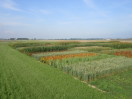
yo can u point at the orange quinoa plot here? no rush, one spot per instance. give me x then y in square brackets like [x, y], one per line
[59, 57]
[124, 53]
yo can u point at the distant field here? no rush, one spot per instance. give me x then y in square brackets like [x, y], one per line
[85, 40]
[126, 41]
[84, 69]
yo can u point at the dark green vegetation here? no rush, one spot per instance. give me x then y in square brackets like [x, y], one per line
[45, 49]
[22, 77]
[31, 47]
[29, 44]
[119, 45]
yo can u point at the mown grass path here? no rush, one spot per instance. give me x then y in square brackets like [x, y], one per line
[22, 77]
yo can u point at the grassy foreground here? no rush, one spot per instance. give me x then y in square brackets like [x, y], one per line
[22, 77]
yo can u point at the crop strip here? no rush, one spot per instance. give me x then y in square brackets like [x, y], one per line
[60, 57]
[124, 53]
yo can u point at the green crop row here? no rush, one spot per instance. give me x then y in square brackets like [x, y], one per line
[118, 45]
[17, 45]
[72, 44]
[44, 49]
[30, 44]
[114, 44]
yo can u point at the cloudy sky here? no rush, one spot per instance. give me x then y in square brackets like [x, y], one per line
[51, 19]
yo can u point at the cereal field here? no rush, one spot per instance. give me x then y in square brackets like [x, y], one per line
[84, 60]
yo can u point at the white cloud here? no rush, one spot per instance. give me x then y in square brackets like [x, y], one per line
[130, 15]
[96, 10]
[13, 24]
[9, 4]
[39, 11]
[43, 11]
[90, 3]
[7, 32]
[65, 23]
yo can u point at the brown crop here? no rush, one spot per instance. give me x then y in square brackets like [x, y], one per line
[59, 57]
[124, 53]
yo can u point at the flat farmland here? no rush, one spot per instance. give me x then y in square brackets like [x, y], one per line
[65, 70]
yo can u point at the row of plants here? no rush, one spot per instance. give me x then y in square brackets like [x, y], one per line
[124, 53]
[91, 44]
[17, 45]
[93, 48]
[54, 47]
[59, 46]
[68, 43]
[38, 55]
[119, 45]
[71, 60]
[89, 70]
[115, 45]
[112, 51]
[72, 44]
[45, 49]
[29, 44]
[60, 57]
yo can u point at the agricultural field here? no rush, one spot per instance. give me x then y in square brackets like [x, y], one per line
[66, 70]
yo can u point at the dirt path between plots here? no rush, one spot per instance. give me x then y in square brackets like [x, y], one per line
[92, 86]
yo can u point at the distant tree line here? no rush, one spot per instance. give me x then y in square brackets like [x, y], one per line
[19, 38]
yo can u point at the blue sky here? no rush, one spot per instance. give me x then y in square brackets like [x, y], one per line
[51, 19]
